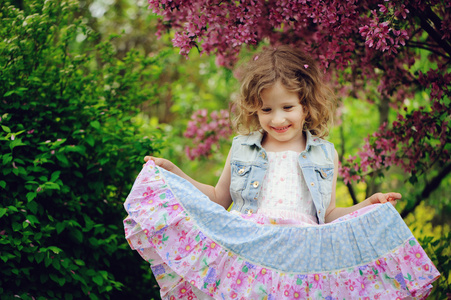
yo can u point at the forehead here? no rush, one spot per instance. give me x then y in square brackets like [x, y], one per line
[278, 93]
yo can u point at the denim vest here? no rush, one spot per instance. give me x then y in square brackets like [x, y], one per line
[249, 163]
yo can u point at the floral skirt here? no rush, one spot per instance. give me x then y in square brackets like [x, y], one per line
[192, 243]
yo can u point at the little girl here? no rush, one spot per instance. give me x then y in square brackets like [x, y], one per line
[284, 238]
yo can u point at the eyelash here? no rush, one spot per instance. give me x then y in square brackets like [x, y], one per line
[267, 110]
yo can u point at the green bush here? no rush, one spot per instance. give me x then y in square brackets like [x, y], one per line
[69, 154]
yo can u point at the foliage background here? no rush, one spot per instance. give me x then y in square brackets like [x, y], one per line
[86, 91]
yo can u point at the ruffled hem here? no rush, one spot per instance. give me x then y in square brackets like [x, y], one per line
[183, 254]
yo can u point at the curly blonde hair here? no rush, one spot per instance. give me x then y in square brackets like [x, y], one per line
[298, 73]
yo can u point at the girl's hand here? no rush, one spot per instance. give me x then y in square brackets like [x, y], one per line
[163, 163]
[383, 198]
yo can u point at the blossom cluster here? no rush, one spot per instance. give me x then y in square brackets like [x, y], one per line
[411, 149]
[415, 142]
[206, 130]
[382, 36]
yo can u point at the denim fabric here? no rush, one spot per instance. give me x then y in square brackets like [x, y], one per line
[249, 163]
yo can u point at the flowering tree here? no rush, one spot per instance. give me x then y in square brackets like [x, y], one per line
[402, 47]
[206, 130]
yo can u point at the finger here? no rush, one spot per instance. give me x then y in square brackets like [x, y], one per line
[393, 202]
[163, 163]
[394, 195]
[147, 158]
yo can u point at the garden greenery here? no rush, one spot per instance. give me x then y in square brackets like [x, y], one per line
[69, 154]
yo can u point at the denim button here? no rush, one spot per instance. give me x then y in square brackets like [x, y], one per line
[255, 184]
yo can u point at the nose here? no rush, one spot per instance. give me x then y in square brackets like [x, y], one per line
[278, 118]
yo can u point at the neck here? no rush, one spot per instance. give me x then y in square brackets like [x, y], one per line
[273, 145]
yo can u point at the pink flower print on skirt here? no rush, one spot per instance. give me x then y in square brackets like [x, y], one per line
[190, 241]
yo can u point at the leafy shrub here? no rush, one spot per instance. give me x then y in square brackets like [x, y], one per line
[69, 154]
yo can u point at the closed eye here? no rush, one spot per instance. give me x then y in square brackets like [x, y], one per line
[266, 109]
[288, 107]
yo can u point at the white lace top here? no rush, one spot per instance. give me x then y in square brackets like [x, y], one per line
[284, 192]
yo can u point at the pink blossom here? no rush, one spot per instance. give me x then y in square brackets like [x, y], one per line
[205, 131]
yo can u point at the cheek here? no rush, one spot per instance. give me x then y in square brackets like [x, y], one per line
[262, 119]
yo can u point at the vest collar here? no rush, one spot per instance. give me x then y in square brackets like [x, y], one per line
[255, 138]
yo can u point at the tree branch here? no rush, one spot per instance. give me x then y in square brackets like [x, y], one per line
[342, 150]
[352, 193]
[428, 189]
[426, 25]
[418, 45]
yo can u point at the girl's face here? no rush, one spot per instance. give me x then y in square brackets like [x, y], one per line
[282, 117]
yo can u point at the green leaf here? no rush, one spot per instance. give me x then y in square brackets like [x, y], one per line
[39, 257]
[32, 206]
[31, 196]
[47, 261]
[90, 140]
[7, 158]
[33, 220]
[2, 184]
[78, 174]
[54, 277]
[19, 91]
[77, 234]
[79, 262]
[55, 176]
[16, 143]
[17, 226]
[6, 129]
[55, 249]
[435, 243]
[51, 186]
[62, 158]
[56, 264]
[60, 227]
[5, 256]
[98, 279]
[2, 211]
[95, 124]
[13, 208]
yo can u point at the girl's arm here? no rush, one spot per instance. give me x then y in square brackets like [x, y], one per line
[219, 193]
[334, 212]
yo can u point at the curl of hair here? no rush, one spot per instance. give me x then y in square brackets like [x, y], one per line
[298, 73]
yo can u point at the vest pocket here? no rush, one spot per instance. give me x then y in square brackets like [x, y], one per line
[239, 176]
[325, 176]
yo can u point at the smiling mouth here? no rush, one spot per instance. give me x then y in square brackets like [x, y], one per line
[281, 129]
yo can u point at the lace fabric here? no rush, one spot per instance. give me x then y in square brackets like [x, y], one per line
[284, 191]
